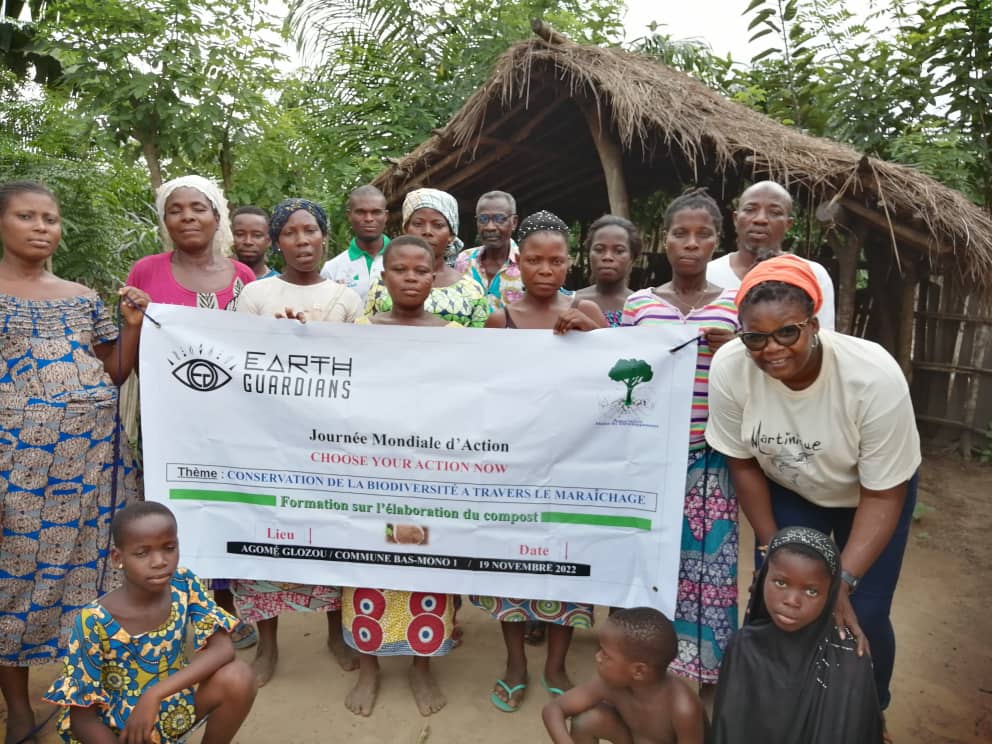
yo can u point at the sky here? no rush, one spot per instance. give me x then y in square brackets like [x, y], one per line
[719, 23]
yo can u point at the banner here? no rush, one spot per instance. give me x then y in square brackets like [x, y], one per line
[511, 463]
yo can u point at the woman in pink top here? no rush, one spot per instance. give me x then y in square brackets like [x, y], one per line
[194, 270]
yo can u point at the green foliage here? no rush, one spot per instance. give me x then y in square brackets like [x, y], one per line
[692, 56]
[186, 80]
[631, 372]
[107, 219]
[911, 82]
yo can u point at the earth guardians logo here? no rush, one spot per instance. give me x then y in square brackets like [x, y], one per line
[628, 409]
[264, 373]
[203, 370]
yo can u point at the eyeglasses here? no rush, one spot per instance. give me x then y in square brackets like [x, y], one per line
[787, 335]
[496, 219]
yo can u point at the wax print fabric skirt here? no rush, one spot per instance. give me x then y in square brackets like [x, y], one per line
[384, 622]
[706, 608]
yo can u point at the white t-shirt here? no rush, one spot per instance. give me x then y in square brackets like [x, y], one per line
[722, 274]
[327, 301]
[355, 269]
[854, 425]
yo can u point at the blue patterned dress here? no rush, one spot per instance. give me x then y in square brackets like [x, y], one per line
[108, 668]
[57, 414]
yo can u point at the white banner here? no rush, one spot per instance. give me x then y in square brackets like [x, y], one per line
[511, 463]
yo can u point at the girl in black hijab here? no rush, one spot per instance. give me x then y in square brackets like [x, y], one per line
[788, 676]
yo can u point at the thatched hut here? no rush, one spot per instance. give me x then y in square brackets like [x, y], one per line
[581, 130]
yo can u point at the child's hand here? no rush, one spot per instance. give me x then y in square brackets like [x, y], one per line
[133, 304]
[141, 722]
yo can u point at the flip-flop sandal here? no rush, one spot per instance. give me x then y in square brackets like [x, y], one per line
[244, 636]
[557, 692]
[502, 704]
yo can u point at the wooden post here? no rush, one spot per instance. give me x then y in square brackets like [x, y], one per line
[848, 250]
[610, 157]
[846, 242]
[979, 352]
[907, 317]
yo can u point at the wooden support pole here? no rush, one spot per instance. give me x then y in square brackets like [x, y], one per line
[907, 318]
[846, 240]
[610, 157]
[979, 353]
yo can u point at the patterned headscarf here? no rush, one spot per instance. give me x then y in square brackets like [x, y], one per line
[542, 221]
[284, 210]
[438, 200]
[811, 539]
[223, 238]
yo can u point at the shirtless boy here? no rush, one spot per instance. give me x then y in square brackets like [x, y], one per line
[633, 699]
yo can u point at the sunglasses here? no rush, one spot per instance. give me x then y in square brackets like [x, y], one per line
[787, 335]
[496, 219]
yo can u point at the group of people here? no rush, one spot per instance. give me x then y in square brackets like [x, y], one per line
[809, 432]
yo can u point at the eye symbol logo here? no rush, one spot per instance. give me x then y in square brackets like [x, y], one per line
[202, 375]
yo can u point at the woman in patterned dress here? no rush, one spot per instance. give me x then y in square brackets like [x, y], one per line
[125, 675]
[65, 466]
[195, 271]
[298, 228]
[433, 216]
[613, 244]
[706, 609]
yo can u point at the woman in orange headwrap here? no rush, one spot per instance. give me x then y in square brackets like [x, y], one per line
[818, 429]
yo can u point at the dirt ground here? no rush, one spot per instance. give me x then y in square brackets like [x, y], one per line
[942, 691]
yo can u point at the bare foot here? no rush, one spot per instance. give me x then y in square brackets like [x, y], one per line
[265, 664]
[361, 699]
[345, 656]
[426, 693]
[19, 726]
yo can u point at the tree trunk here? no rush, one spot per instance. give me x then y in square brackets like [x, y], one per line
[150, 150]
[226, 163]
[610, 157]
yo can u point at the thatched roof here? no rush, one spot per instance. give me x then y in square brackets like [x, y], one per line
[524, 131]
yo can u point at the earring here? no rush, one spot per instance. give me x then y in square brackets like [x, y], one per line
[816, 341]
[120, 566]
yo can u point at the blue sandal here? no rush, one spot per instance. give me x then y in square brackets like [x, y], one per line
[504, 705]
[557, 692]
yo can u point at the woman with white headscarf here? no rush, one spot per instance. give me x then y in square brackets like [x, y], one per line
[433, 216]
[195, 270]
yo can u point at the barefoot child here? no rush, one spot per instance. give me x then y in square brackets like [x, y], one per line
[543, 261]
[634, 698]
[384, 622]
[789, 675]
[126, 677]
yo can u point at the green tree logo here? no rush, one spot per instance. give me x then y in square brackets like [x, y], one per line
[631, 372]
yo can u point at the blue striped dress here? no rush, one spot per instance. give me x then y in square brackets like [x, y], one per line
[706, 609]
